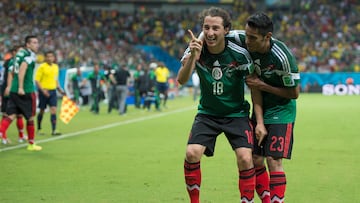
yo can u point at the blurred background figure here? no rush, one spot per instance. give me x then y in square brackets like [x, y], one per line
[147, 87]
[120, 78]
[162, 75]
[77, 82]
[96, 79]
[111, 89]
[196, 85]
[137, 95]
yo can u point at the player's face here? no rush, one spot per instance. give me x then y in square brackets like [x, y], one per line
[33, 45]
[50, 58]
[255, 42]
[214, 34]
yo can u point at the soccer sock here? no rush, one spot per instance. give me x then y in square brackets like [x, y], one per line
[193, 180]
[262, 184]
[39, 120]
[277, 186]
[31, 131]
[20, 126]
[53, 122]
[247, 185]
[5, 122]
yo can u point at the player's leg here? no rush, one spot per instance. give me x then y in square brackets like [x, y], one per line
[165, 92]
[280, 147]
[52, 101]
[262, 179]
[9, 115]
[123, 91]
[201, 141]
[4, 125]
[192, 171]
[262, 176]
[247, 176]
[42, 106]
[3, 136]
[28, 109]
[20, 127]
[239, 134]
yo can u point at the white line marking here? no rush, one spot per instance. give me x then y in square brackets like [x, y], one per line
[100, 128]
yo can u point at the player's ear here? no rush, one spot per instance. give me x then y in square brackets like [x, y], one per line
[268, 35]
[227, 30]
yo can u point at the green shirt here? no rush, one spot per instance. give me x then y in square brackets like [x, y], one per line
[277, 68]
[222, 81]
[95, 79]
[29, 57]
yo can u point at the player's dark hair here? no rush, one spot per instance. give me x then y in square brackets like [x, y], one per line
[29, 37]
[261, 22]
[49, 52]
[216, 11]
[15, 48]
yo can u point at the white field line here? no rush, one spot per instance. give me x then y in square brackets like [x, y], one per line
[63, 136]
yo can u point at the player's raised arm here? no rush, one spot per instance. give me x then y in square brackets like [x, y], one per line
[190, 57]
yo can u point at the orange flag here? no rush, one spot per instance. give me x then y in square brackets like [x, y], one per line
[68, 109]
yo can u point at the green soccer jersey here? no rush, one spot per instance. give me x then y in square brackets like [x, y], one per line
[277, 68]
[222, 81]
[29, 57]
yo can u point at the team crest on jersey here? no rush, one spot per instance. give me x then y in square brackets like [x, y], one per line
[216, 71]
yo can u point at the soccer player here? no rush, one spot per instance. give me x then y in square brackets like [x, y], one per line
[5, 90]
[222, 67]
[46, 79]
[77, 82]
[22, 98]
[277, 78]
[96, 79]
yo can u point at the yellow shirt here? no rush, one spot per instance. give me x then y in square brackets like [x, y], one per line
[162, 74]
[47, 75]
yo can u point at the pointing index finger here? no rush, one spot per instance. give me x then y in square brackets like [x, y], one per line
[192, 35]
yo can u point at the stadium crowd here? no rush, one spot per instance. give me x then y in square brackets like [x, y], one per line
[323, 35]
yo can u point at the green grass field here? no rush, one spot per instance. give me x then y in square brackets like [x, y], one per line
[138, 158]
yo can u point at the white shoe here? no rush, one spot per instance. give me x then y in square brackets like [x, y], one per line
[5, 141]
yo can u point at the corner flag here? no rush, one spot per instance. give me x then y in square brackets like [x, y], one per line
[68, 109]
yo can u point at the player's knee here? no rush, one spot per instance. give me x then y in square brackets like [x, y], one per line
[193, 153]
[258, 160]
[244, 159]
[274, 164]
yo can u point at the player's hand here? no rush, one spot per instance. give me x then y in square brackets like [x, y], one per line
[195, 45]
[62, 92]
[7, 91]
[45, 93]
[253, 81]
[21, 91]
[260, 133]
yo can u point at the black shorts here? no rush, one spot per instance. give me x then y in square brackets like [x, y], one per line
[25, 104]
[162, 87]
[278, 143]
[206, 128]
[51, 100]
[4, 102]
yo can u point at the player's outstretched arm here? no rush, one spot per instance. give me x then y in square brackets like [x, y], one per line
[188, 62]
